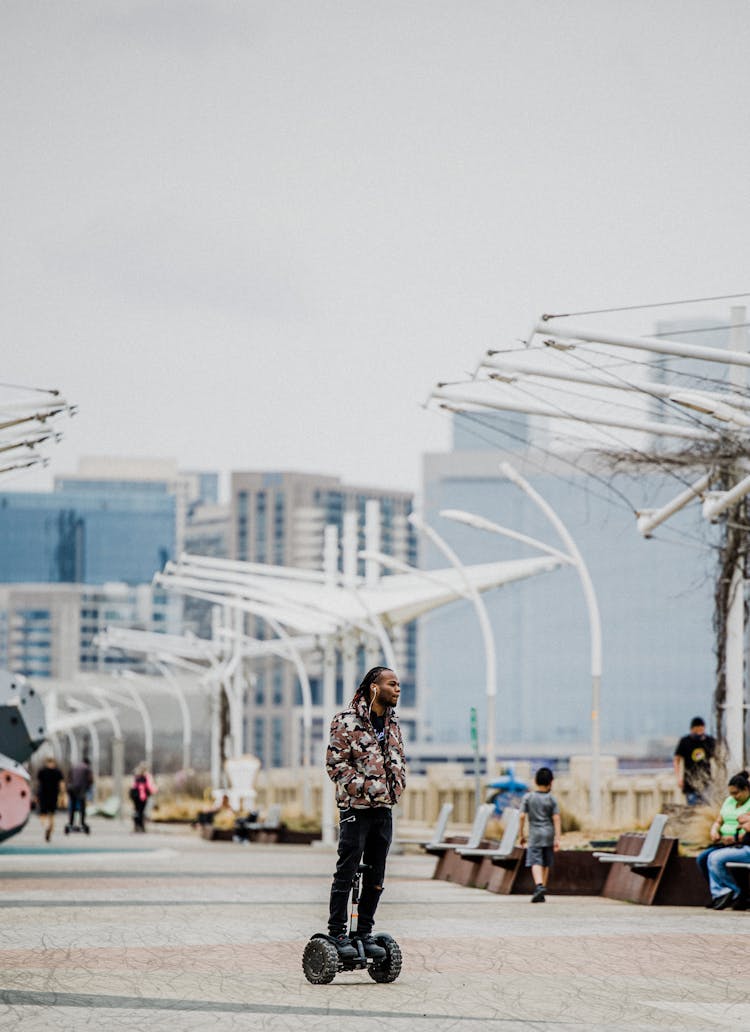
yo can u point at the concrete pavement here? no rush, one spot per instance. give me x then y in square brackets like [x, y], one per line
[167, 931]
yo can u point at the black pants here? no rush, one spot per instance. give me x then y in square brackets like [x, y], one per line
[364, 836]
[139, 809]
[76, 803]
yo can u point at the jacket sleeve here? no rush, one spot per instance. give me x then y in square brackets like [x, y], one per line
[398, 766]
[339, 765]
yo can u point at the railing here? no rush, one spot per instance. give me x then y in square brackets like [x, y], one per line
[628, 800]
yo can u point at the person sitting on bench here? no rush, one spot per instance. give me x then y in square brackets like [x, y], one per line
[729, 842]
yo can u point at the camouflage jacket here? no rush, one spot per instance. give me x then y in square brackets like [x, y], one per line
[365, 774]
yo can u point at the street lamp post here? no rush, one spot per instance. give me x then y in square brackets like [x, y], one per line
[595, 625]
[484, 626]
[575, 559]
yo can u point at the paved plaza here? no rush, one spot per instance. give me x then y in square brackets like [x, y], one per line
[167, 931]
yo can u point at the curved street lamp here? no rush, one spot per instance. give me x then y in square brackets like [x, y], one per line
[484, 625]
[574, 558]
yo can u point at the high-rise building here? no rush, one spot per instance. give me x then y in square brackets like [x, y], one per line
[207, 530]
[82, 557]
[49, 630]
[280, 518]
[83, 536]
[110, 478]
[115, 520]
[655, 597]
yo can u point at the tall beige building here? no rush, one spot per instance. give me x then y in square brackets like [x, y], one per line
[280, 518]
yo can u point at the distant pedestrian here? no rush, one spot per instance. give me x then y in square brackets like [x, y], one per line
[543, 813]
[49, 779]
[141, 790]
[80, 781]
[692, 762]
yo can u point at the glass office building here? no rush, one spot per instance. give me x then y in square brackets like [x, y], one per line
[656, 598]
[111, 531]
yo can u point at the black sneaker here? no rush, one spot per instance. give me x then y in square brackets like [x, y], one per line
[739, 903]
[723, 901]
[345, 947]
[538, 896]
[373, 950]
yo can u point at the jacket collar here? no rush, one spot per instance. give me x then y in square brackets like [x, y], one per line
[361, 707]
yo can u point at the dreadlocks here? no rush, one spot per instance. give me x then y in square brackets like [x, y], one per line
[370, 678]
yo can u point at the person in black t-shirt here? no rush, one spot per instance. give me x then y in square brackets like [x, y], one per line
[692, 762]
[49, 779]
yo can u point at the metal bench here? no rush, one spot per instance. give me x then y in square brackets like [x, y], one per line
[636, 870]
[450, 866]
[649, 848]
[267, 828]
[438, 833]
[497, 867]
[503, 851]
[475, 835]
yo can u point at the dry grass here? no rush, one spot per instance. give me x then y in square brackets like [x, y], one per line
[176, 808]
[692, 825]
[185, 809]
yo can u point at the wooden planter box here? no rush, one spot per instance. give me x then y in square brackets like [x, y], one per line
[575, 872]
[212, 834]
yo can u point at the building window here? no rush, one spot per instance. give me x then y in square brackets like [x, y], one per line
[278, 530]
[278, 687]
[259, 739]
[277, 743]
[260, 527]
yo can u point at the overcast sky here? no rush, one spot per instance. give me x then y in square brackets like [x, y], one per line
[253, 234]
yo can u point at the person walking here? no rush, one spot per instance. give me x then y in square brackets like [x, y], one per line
[141, 790]
[692, 762]
[365, 760]
[80, 780]
[543, 813]
[49, 779]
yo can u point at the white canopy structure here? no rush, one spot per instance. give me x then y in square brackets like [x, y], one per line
[28, 420]
[328, 610]
[542, 381]
[320, 609]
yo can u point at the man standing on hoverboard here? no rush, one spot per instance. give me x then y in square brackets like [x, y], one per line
[365, 760]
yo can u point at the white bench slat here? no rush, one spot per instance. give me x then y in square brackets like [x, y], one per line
[475, 837]
[649, 848]
[507, 843]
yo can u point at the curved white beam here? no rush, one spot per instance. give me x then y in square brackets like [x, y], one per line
[467, 402]
[481, 523]
[656, 344]
[505, 371]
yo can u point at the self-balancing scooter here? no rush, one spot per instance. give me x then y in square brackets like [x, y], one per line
[321, 961]
[70, 826]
